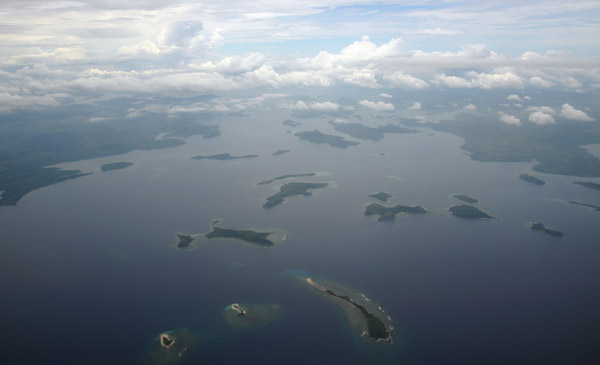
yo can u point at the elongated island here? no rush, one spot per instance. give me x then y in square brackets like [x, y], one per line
[389, 213]
[256, 238]
[291, 189]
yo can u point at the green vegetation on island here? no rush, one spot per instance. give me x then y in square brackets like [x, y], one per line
[184, 240]
[466, 198]
[358, 130]
[556, 147]
[469, 212]
[389, 213]
[291, 123]
[532, 179]
[542, 228]
[280, 152]
[588, 184]
[291, 189]
[29, 144]
[286, 177]
[317, 137]
[383, 196]
[222, 157]
[259, 238]
[590, 206]
[115, 166]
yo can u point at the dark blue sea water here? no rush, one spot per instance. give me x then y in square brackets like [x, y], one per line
[89, 273]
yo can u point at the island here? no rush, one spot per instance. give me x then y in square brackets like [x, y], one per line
[317, 137]
[184, 240]
[532, 179]
[383, 196]
[358, 130]
[114, 166]
[222, 157]
[469, 212]
[170, 347]
[542, 228]
[305, 174]
[251, 316]
[260, 238]
[291, 123]
[466, 198]
[291, 189]
[588, 184]
[280, 152]
[589, 206]
[389, 213]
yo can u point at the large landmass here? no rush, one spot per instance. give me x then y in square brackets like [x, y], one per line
[222, 157]
[542, 228]
[358, 130]
[291, 189]
[115, 166]
[556, 147]
[317, 137]
[466, 198]
[30, 143]
[588, 184]
[389, 213]
[532, 179]
[306, 174]
[469, 212]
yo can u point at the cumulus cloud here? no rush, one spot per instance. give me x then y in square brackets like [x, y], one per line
[541, 118]
[416, 106]
[380, 105]
[384, 95]
[509, 119]
[470, 107]
[300, 105]
[571, 113]
[400, 79]
[326, 106]
[539, 82]
[542, 109]
[514, 97]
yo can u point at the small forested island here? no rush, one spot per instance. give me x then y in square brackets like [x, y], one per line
[469, 212]
[280, 152]
[389, 213]
[306, 174]
[222, 157]
[532, 179]
[184, 240]
[291, 123]
[317, 137]
[170, 347]
[291, 189]
[541, 227]
[466, 198]
[260, 238]
[588, 184]
[590, 206]
[358, 130]
[383, 196]
[115, 166]
[251, 316]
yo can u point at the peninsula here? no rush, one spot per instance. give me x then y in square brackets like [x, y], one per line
[541, 227]
[115, 166]
[184, 240]
[317, 137]
[469, 212]
[588, 184]
[306, 174]
[466, 198]
[222, 157]
[532, 179]
[291, 189]
[383, 196]
[389, 213]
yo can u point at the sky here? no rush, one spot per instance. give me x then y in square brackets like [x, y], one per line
[59, 52]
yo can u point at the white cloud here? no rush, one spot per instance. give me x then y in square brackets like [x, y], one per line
[326, 106]
[300, 105]
[380, 105]
[571, 113]
[384, 95]
[400, 79]
[470, 107]
[416, 106]
[541, 118]
[542, 109]
[539, 82]
[514, 97]
[509, 119]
